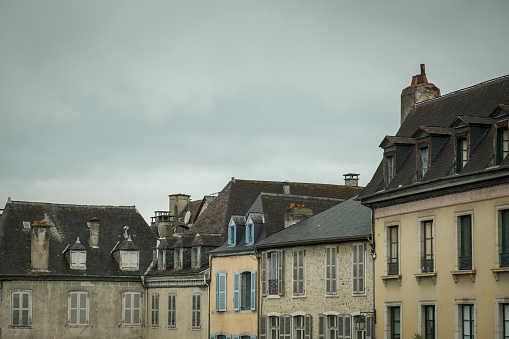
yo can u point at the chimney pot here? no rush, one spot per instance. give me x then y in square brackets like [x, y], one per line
[351, 179]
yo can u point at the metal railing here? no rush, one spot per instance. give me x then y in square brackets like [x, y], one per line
[428, 266]
[393, 268]
[465, 263]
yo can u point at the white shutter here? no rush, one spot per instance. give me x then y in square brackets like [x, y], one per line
[264, 277]
[348, 327]
[253, 291]
[236, 291]
[307, 326]
[263, 327]
[222, 291]
[321, 326]
[280, 272]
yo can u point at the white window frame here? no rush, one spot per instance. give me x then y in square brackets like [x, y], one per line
[457, 231]
[172, 310]
[195, 256]
[196, 305]
[356, 269]
[20, 308]
[387, 318]
[268, 269]
[240, 290]
[249, 232]
[232, 234]
[178, 259]
[421, 316]
[131, 297]
[78, 259]
[331, 271]
[458, 316]
[155, 309]
[129, 260]
[79, 307]
[298, 279]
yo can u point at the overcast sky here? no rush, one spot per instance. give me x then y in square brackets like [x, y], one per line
[126, 102]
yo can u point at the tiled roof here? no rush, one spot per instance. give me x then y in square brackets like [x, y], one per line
[68, 222]
[344, 221]
[474, 106]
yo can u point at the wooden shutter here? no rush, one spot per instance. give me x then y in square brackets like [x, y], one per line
[295, 265]
[263, 327]
[301, 278]
[361, 262]
[253, 291]
[369, 327]
[288, 326]
[341, 326]
[236, 291]
[328, 289]
[280, 273]
[321, 326]
[264, 274]
[307, 326]
[221, 292]
[348, 327]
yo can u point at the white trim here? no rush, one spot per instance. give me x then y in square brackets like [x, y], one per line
[458, 326]
[420, 315]
[273, 314]
[499, 314]
[29, 320]
[294, 314]
[387, 320]
[355, 244]
[331, 313]
[336, 278]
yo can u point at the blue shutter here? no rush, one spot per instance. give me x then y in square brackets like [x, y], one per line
[253, 290]
[212, 336]
[229, 336]
[235, 337]
[217, 291]
[236, 291]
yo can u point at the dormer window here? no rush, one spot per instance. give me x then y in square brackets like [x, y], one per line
[195, 257]
[78, 259]
[461, 153]
[502, 144]
[232, 235]
[389, 169]
[423, 161]
[249, 232]
[178, 258]
[129, 260]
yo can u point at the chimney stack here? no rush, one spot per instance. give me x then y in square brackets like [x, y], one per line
[178, 202]
[351, 179]
[419, 90]
[94, 232]
[40, 245]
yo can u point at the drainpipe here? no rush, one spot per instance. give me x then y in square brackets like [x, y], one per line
[259, 288]
[373, 257]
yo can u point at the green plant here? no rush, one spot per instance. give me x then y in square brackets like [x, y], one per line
[418, 335]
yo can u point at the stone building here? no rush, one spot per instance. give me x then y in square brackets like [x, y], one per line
[316, 277]
[440, 203]
[72, 270]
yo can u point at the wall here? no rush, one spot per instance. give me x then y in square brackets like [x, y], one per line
[50, 310]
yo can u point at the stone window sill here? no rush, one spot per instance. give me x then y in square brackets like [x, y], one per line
[456, 274]
[386, 278]
[432, 275]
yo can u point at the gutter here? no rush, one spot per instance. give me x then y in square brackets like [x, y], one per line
[313, 242]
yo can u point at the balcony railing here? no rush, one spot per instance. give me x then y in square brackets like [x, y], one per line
[504, 259]
[273, 287]
[428, 266]
[393, 268]
[465, 263]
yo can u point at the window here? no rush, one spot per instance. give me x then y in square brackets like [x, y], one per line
[21, 308]
[272, 273]
[502, 144]
[244, 290]
[503, 217]
[423, 161]
[178, 258]
[196, 311]
[394, 322]
[285, 327]
[232, 235]
[363, 326]
[172, 310]
[505, 320]
[429, 321]
[221, 291]
[465, 242]
[155, 309]
[393, 257]
[129, 260]
[273, 327]
[331, 270]
[302, 327]
[249, 233]
[461, 154]
[195, 257]
[427, 256]
[78, 259]
[78, 309]
[467, 321]
[334, 326]
[389, 169]
[299, 288]
[132, 308]
[358, 263]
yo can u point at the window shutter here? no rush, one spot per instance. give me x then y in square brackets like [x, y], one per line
[236, 291]
[341, 327]
[295, 271]
[348, 329]
[253, 290]
[307, 326]
[212, 336]
[264, 274]
[127, 308]
[280, 273]
[288, 326]
[328, 289]
[321, 326]
[235, 336]
[253, 337]
[361, 256]
[281, 327]
[334, 270]
[263, 327]
[217, 291]
[229, 336]
[222, 291]
[301, 279]
[369, 328]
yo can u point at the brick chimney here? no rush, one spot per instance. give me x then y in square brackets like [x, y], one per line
[351, 179]
[94, 232]
[40, 245]
[419, 90]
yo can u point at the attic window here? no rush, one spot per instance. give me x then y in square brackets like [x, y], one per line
[423, 161]
[389, 169]
[461, 153]
[178, 258]
[78, 259]
[26, 225]
[195, 257]
[502, 144]
[249, 233]
[129, 260]
[232, 235]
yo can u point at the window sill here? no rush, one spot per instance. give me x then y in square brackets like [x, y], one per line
[195, 328]
[456, 274]
[273, 297]
[497, 271]
[26, 327]
[172, 328]
[298, 296]
[386, 278]
[359, 294]
[432, 275]
[332, 295]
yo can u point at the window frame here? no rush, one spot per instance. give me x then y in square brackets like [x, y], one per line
[331, 271]
[391, 246]
[390, 328]
[299, 273]
[502, 144]
[79, 322]
[249, 232]
[221, 291]
[427, 247]
[20, 309]
[502, 237]
[459, 317]
[172, 310]
[389, 170]
[133, 296]
[424, 307]
[154, 315]
[357, 268]
[462, 261]
[423, 163]
[232, 235]
[78, 259]
[269, 268]
[178, 258]
[196, 308]
[129, 260]
[195, 256]
[241, 293]
[461, 151]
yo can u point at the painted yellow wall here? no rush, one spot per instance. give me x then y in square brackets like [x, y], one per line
[232, 322]
[484, 290]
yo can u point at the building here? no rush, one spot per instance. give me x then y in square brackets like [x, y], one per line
[440, 202]
[72, 270]
[317, 277]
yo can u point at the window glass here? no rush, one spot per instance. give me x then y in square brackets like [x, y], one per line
[21, 308]
[172, 310]
[423, 161]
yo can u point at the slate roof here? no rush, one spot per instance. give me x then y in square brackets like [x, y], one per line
[346, 221]
[475, 105]
[68, 222]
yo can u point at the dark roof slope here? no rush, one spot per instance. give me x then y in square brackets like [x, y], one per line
[345, 221]
[68, 222]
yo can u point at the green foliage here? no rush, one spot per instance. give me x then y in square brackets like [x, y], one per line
[418, 335]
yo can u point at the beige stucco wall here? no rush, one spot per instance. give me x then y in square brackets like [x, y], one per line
[232, 322]
[482, 204]
[50, 310]
[183, 316]
[316, 302]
